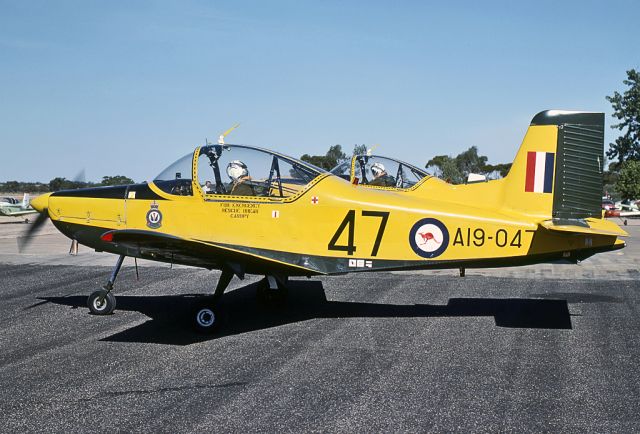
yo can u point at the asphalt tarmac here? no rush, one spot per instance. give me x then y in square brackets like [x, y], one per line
[535, 349]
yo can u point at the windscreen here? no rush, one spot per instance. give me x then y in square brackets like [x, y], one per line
[176, 179]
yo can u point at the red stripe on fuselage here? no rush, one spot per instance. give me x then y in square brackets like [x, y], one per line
[531, 172]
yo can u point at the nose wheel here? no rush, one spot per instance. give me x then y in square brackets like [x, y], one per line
[101, 302]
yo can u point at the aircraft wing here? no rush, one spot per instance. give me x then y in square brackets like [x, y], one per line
[9, 213]
[168, 248]
[629, 213]
[632, 208]
[622, 214]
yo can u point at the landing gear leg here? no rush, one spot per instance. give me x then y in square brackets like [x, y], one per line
[206, 315]
[273, 289]
[223, 283]
[103, 302]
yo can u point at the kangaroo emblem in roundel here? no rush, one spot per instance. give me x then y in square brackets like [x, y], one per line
[154, 217]
[429, 238]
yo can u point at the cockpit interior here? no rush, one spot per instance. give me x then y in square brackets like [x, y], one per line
[378, 171]
[237, 170]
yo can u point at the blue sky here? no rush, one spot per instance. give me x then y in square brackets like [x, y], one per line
[128, 87]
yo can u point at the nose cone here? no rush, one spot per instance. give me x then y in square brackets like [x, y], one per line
[41, 202]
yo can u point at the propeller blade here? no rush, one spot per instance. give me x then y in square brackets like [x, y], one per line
[24, 240]
[80, 177]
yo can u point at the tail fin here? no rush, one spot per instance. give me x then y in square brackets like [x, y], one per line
[25, 200]
[557, 172]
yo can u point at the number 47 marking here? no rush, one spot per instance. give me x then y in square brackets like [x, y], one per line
[350, 223]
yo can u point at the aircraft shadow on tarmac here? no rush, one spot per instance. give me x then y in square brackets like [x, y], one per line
[241, 312]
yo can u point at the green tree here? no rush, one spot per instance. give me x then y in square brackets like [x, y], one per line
[28, 187]
[335, 155]
[446, 168]
[328, 161]
[316, 160]
[437, 161]
[11, 186]
[470, 162]
[628, 182]
[451, 171]
[116, 180]
[626, 108]
[456, 170]
[57, 184]
[359, 149]
[501, 168]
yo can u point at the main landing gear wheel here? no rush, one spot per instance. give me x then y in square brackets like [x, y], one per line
[101, 302]
[206, 317]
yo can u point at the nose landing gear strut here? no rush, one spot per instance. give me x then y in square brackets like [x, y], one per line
[102, 301]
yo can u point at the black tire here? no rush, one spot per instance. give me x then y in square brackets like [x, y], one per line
[101, 302]
[205, 317]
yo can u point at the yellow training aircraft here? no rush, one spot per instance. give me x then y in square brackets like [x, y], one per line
[247, 210]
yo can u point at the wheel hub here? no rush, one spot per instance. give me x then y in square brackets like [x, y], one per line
[99, 303]
[205, 317]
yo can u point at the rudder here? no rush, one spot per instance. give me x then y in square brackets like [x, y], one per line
[557, 172]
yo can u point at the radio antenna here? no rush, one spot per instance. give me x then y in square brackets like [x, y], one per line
[223, 135]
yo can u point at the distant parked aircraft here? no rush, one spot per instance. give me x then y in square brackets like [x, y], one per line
[623, 215]
[11, 207]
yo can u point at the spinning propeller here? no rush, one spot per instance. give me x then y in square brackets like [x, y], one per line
[41, 204]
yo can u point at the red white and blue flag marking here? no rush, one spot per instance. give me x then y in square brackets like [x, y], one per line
[539, 172]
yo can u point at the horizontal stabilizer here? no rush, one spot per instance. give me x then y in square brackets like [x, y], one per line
[588, 226]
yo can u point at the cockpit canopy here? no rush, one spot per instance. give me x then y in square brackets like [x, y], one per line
[377, 171]
[237, 170]
[9, 200]
[176, 179]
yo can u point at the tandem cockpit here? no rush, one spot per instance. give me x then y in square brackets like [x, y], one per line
[241, 171]
[380, 172]
[237, 171]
